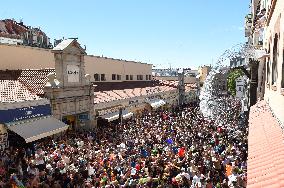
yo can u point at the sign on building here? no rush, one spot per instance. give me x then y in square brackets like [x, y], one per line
[240, 87]
[73, 73]
[19, 114]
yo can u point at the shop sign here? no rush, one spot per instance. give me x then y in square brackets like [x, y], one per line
[83, 116]
[108, 111]
[19, 114]
[73, 73]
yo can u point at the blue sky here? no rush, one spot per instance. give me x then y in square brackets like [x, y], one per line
[176, 33]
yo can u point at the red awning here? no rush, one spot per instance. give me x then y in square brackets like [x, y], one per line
[265, 149]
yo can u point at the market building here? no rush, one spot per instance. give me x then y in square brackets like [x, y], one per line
[83, 91]
[24, 116]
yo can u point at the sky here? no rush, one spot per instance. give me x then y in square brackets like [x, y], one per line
[165, 33]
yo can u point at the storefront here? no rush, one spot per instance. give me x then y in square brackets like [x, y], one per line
[155, 102]
[78, 119]
[30, 120]
[114, 113]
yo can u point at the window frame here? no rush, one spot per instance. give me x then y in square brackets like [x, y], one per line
[97, 77]
[113, 77]
[103, 77]
[118, 77]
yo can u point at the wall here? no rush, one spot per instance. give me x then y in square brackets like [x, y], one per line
[203, 72]
[274, 95]
[16, 57]
[109, 66]
[187, 80]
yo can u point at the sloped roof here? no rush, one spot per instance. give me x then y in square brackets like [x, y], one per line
[265, 149]
[35, 80]
[65, 43]
[15, 91]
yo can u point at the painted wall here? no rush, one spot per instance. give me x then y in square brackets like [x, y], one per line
[274, 94]
[16, 57]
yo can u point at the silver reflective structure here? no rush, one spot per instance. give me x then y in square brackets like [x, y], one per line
[213, 104]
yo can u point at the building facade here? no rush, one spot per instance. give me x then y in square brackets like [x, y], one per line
[101, 69]
[70, 91]
[265, 32]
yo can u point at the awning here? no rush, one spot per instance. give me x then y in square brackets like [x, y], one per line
[157, 103]
[127, 116]
[115, 115]
[35, 129]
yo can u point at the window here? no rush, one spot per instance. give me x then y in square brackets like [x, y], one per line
[150, 77]
[118, 77]
[274, 63]
[103, 77]
[127, 77]
[97, 77]
[147, 77]
[131, 77]
[139, 77]
[113, 76]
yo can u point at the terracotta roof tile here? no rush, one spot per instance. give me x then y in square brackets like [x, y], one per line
[266, 149]
[15, 91]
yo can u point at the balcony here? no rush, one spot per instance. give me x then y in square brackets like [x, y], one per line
[248, 24]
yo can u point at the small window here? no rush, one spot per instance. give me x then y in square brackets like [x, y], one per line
[103, 77]
[127, 77]
[139, 77]
[150, 77]
[147, 77]
[118, 77]
[97, 77]
[113, 77]
[131, 77]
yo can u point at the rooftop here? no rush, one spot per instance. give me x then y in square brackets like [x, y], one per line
[265, 148]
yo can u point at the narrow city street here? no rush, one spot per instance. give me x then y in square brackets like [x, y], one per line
[176, 148]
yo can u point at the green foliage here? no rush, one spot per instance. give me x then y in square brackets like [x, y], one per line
[231, 80]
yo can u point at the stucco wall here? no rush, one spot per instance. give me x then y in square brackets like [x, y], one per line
[274, 96]
[15, 57]
[108, 66]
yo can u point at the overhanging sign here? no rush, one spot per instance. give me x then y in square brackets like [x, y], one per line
[19, 114]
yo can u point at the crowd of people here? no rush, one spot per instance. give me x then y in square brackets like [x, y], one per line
[174, 148]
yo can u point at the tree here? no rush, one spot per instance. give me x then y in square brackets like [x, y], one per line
[231, 80]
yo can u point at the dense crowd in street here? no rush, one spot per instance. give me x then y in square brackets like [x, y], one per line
[177, 148]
